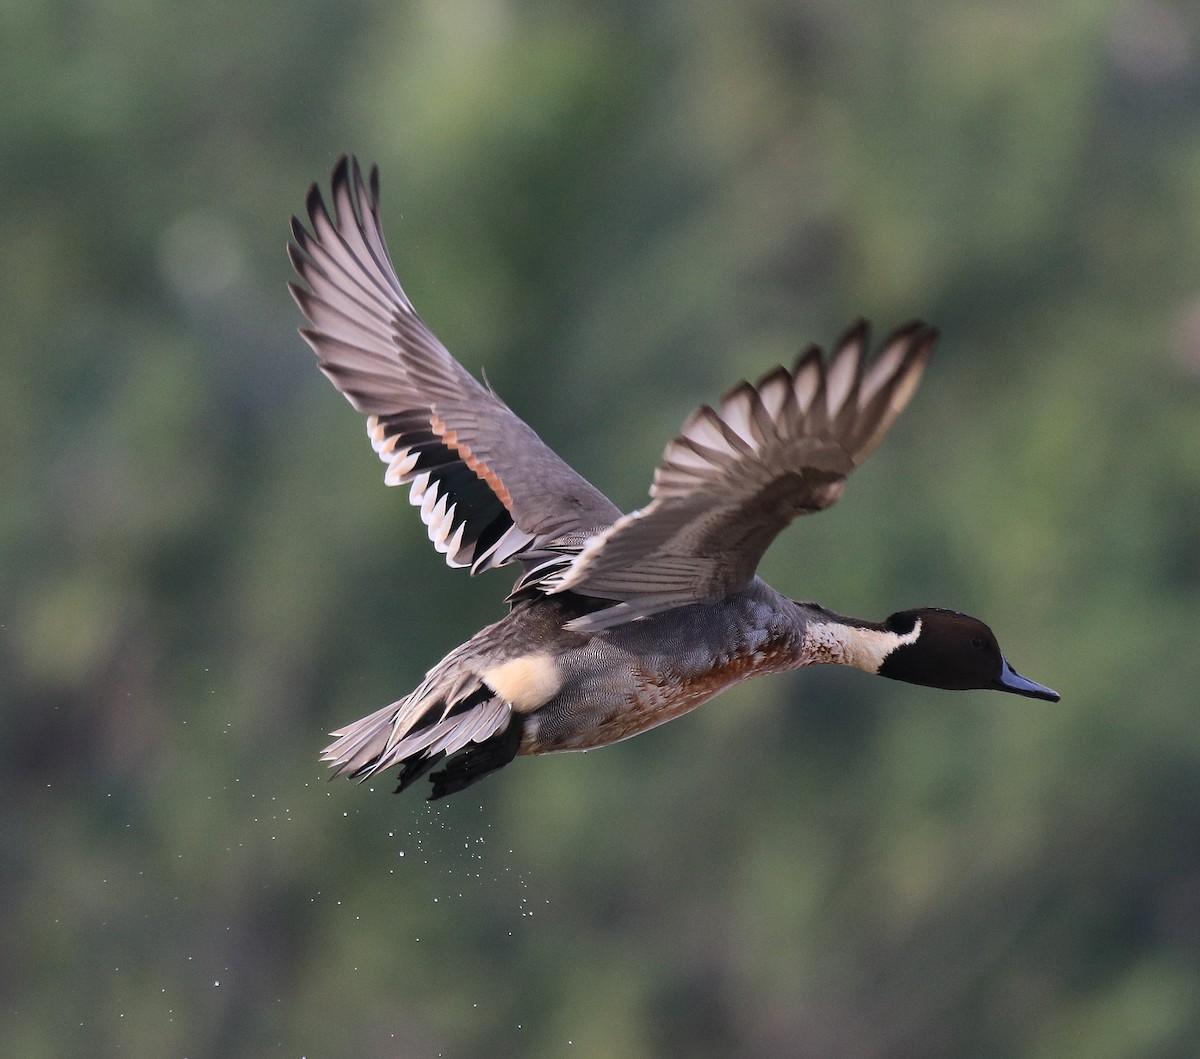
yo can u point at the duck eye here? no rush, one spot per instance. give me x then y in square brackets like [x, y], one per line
[978, 643]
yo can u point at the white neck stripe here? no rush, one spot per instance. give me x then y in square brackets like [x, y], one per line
[848, 645]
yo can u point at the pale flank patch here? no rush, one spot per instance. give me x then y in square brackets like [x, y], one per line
[845, 645]
[525, 683]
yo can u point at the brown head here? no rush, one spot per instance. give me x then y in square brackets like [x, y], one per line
[953, 651]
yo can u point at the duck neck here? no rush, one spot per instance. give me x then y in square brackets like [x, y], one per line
[831, 639]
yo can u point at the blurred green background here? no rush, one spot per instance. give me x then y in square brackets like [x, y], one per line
[618, 209]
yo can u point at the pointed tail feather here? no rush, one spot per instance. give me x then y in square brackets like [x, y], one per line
[423, 730]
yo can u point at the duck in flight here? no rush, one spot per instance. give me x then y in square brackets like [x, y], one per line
[617, 623]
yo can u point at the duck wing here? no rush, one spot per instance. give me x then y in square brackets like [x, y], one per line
[488, 487]
[739, 473]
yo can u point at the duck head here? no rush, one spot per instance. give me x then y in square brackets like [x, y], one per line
[945, 649]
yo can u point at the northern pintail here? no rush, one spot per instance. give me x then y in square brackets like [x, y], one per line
[617, 623]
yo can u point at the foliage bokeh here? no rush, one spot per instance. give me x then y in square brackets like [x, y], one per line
[617, 210]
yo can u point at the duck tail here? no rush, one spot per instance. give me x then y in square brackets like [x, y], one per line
[474, 732]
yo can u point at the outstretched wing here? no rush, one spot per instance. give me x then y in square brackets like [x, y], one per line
[738, 474]
[488, 487]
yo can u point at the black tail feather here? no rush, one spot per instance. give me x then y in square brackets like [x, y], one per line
[473, 762]
[416, 767]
